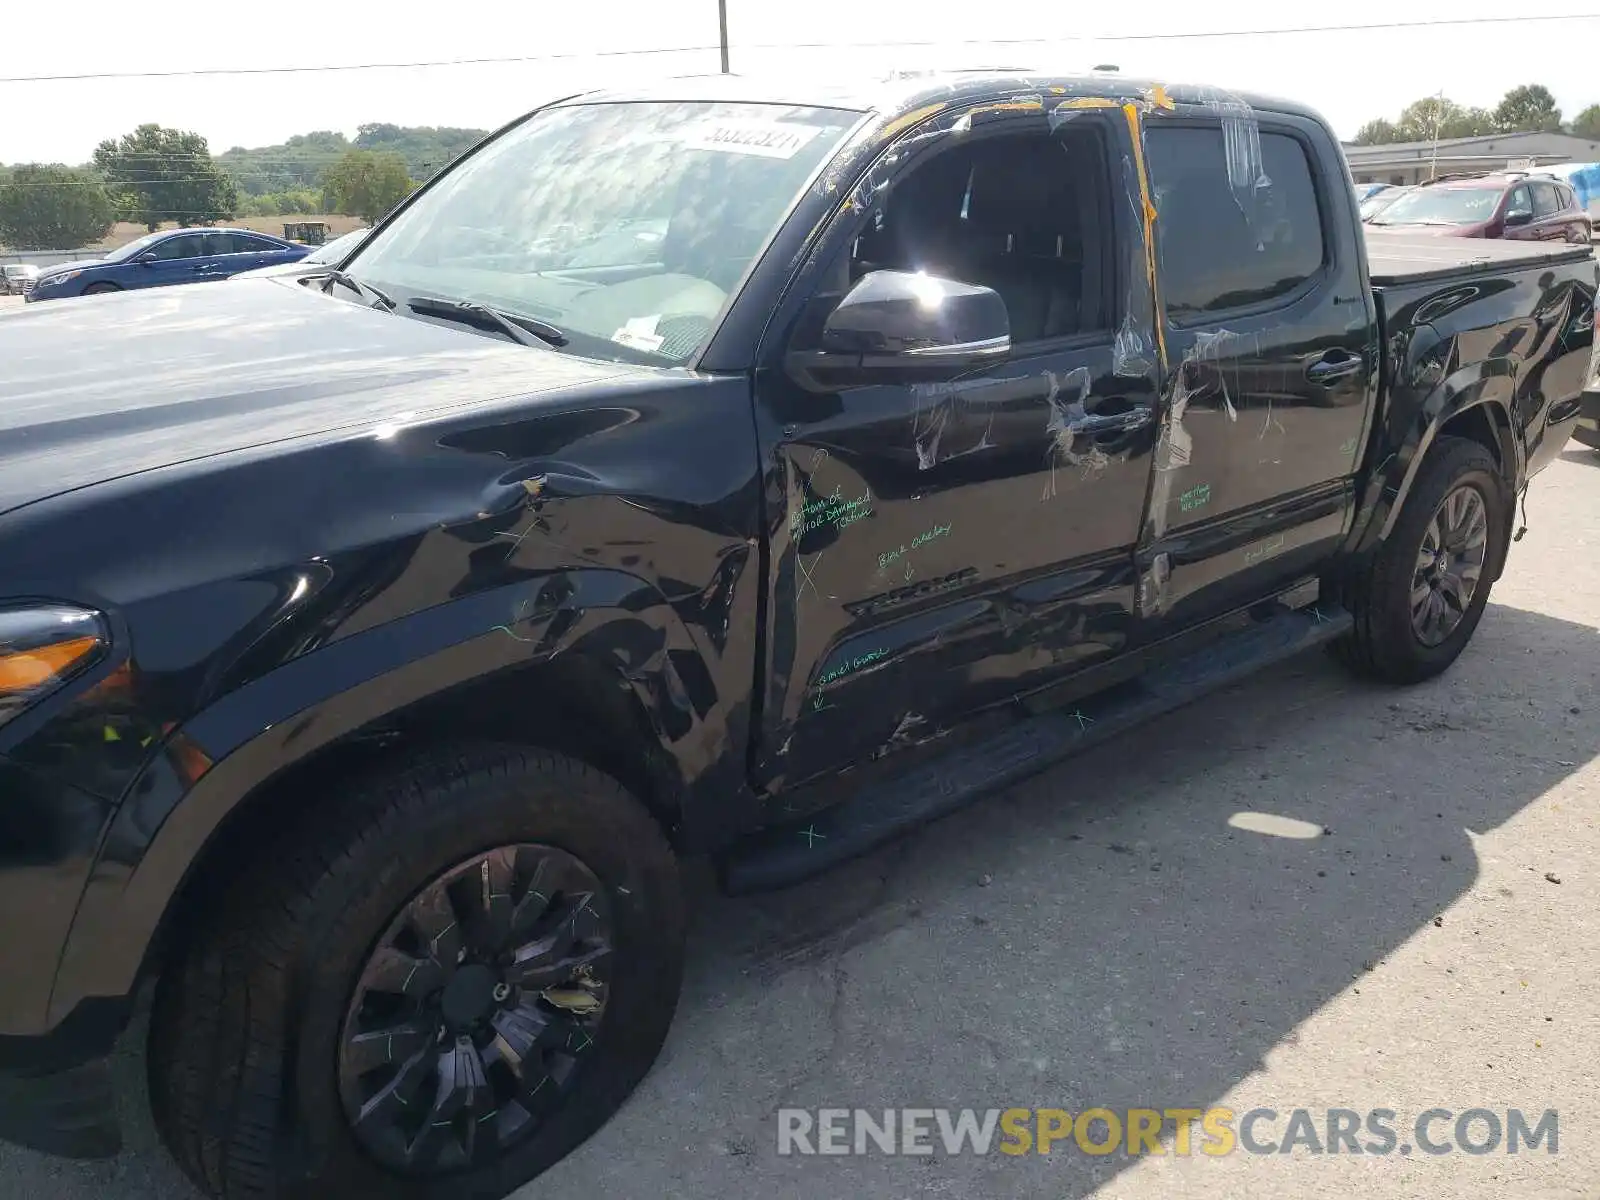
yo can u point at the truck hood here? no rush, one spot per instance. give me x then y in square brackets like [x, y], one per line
[99, 388]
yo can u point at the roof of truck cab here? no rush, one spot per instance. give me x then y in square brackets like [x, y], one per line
[906, 92]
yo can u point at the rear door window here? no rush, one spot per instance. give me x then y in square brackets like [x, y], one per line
[1214, 255]
[1546, 200]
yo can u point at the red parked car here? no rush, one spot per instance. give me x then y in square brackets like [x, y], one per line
[1505, 205]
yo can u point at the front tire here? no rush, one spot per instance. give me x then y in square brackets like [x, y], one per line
[436, 987]
[100, 289]
[1420, 598]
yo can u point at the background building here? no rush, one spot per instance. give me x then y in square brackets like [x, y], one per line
[1412, 162]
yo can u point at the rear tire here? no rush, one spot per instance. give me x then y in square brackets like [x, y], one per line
[253, 1045]
[100, 289]
[1387, 642]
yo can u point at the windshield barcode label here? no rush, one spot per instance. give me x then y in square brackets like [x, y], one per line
[767, 139]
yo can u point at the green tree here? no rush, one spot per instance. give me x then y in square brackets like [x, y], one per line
[51, 207]
[274, 204]
[157, 175]
[367, 184]
[1440, 117]
[1528, 108]
[1377, 133]
[1587, 123]
[300, 162]
[304, 160]
[1470, 122]
[426, 149]
[298, 201]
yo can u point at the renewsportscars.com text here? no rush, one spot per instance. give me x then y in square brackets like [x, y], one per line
[1213, 1132]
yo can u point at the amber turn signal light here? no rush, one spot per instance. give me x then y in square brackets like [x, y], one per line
[41, 648]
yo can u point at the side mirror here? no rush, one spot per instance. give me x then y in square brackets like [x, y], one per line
[146, 259]
[909, 325]
[1514, 219]
[892, 316]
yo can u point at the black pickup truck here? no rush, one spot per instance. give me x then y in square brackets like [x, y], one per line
[714, 471]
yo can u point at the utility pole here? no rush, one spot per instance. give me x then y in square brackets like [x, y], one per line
[722, 25]
[1438, 122]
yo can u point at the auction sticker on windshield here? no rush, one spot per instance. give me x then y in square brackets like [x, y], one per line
[767, 139]
[640, 333]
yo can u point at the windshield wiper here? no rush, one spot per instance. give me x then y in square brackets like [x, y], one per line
[528, 331]
[365, 290]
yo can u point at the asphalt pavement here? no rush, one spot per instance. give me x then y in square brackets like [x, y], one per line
[1135, 929]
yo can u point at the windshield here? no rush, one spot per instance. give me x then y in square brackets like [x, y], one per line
[1441, 206]
[333, 251]
[623, 225]
[123, 253]
[1375, 204]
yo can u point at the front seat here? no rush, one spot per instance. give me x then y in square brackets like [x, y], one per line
[1021, 241]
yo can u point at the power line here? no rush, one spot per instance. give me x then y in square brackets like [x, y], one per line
[377, 66]
[226, 158]
[111, 185]
[1210, 34]
[1432, 23]
[153, 181]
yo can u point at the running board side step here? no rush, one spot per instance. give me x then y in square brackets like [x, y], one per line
[787, 854]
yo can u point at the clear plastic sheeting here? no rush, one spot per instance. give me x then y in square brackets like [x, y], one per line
[1209, 345]
[1022, 102]
[1241, 147]
[1066, 110]
[1173, 447]
[1132, 352]
[875, 183]
[1135, 347]
[949, 420]
[1153, 582]
[1069, 416]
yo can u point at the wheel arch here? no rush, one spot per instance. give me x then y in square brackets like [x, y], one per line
[575, 705]
[614, 686]
[1471, 403]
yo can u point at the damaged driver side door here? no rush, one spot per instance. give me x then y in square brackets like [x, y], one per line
[946, 541]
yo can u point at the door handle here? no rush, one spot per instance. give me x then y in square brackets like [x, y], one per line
[1328, 371]
[1100, 424]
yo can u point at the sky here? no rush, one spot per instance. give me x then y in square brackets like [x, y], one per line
[1350, 76]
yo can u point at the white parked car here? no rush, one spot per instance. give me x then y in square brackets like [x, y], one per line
[17, 279]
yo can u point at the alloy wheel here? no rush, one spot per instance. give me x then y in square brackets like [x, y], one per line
[474, 1012]
[1449, 564]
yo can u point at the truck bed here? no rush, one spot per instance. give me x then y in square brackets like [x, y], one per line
[1396, 258]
